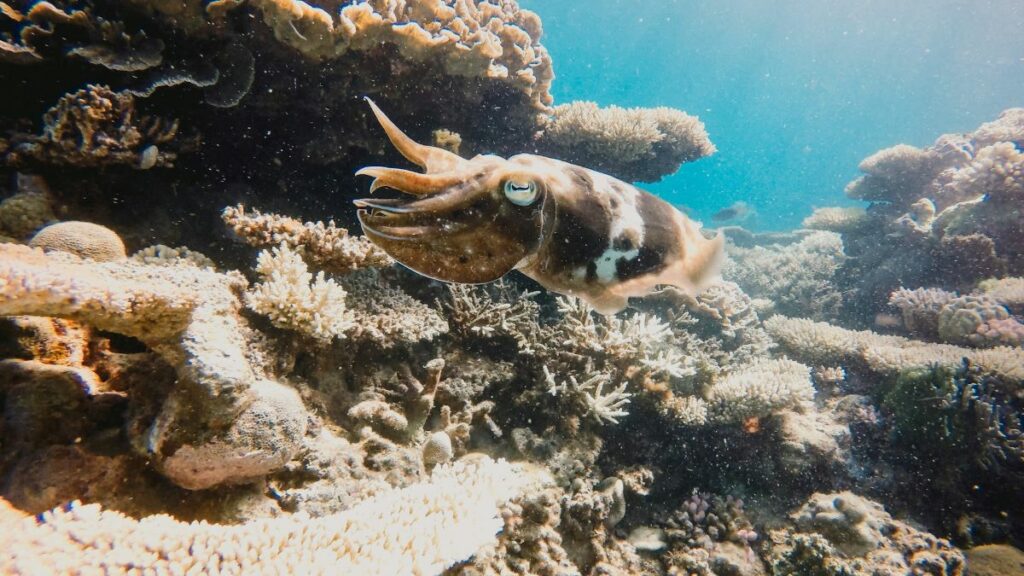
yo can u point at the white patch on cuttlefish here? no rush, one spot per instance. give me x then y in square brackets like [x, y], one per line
[626, 221]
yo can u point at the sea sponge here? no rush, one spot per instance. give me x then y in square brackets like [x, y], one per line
[760, 389]
[634, 144]
[294, 299]
[83, 239]
[421, 529]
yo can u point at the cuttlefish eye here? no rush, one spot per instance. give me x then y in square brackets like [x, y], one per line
[521, 192]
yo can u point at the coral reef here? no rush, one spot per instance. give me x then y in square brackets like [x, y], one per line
[847, 534]
[938, 216]
[420, 529]
[634, 144]
[798, 276]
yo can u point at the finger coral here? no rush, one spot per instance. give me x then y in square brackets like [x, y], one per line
[296, 300]
[634, 144]
[421, 529]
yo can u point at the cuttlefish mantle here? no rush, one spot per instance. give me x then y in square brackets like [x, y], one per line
[573, 230]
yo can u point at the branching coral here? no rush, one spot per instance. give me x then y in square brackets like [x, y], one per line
[293, 299]
[421, 529]
[974, 320]
[323, 246]
[605, 407]
[798, 277]
[386, 315]
[821, 343]
[98, 127]
[634, 144]
[893, 173]
[760, 389]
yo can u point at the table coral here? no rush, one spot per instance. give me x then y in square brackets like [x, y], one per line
[421, 529]
[634, 144]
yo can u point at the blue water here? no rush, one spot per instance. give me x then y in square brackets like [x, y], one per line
[794, 93]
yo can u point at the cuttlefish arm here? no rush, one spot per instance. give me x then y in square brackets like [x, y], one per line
[573, 230]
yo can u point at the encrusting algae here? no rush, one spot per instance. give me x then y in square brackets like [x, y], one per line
[189, 383]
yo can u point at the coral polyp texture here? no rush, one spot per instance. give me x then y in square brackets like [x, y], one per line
[420, 529]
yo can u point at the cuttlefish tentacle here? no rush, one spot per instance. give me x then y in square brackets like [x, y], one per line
[408, 181]
[430, 158]
[573, 230]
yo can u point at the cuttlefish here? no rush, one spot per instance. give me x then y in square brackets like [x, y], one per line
[573, 230]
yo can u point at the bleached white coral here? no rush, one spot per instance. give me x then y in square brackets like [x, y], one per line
[294, 299]
[421, 529]
[760, 389]
[605, 407]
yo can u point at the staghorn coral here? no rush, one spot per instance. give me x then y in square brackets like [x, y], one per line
[606, 408]
[224, 421]
[294, 299]
[83, 239]
[760, 389]
[634, 144]
[476, 39]
[799, 277]
[323, 246]
[421, 529]
[96, 126]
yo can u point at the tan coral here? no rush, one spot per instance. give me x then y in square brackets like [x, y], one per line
[821, 343]
[894, 172]
[190, 317]
[420, 529]
[96, 126]
[836, 218]
[83, 239]
[324, 246]
[28, 210]
[495, 40]
[631, 143]
[760, 389]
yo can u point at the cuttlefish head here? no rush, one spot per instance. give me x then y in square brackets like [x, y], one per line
[466, 221]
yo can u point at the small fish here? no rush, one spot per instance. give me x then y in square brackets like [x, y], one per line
[573, 230]
[739, 211]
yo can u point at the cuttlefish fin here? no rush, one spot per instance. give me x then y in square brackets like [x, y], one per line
[430, 158]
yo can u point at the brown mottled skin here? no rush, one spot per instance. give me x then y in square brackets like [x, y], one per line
[573, 230]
